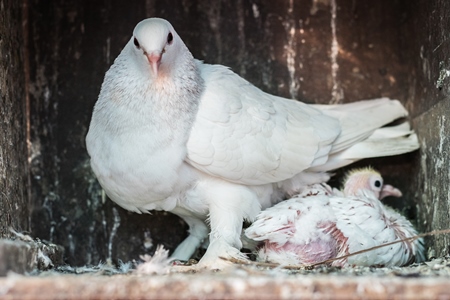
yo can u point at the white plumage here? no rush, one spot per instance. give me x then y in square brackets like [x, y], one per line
[169, 132]
[321, 224]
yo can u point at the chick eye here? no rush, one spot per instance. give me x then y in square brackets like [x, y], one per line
[377, 183]
[136, 43]
[169, 38]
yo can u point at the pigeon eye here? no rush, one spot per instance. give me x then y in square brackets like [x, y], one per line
[377, 183]
[169, 38]
[136, 43]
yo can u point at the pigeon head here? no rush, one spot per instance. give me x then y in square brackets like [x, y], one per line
[371, 180]
[156, 45]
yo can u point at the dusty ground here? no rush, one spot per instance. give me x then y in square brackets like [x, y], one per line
[429, 280]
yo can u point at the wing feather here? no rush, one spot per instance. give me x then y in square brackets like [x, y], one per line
[247, 136]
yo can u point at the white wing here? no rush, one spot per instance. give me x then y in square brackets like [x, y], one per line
[250, 137]
[402, 253]
[367, 223]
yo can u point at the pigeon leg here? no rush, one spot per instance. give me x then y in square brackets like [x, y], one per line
[198, 232]
[229, 205]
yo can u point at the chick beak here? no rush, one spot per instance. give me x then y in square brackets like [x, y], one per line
[154, 60]
[389, 190]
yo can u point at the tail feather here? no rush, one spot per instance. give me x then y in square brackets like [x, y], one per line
[374, 147]
[402, 129]
[383, 142]
[359, 120]
[359, 105]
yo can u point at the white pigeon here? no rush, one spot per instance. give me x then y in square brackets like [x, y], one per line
[322, 224]
[169, 132]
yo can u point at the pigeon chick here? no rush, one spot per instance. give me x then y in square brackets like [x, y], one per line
[169, 132]
[321, 224]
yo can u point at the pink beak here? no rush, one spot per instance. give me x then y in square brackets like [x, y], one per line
[389, 190]
[154, 60]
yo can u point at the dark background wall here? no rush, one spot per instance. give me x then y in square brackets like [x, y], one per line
[322, 51]
[428, 99]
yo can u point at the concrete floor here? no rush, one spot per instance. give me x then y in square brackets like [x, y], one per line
[236, 285]
[427, 280]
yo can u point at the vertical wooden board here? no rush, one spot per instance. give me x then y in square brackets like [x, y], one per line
[433, 176]
[370, 57]
[14, 208]
[429, 98]
[425, 46]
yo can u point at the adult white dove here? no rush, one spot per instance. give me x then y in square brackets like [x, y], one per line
[169, 132]
[322, 224]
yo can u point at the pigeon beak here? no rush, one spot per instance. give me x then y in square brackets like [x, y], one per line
[154, 60]
[389, 190]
